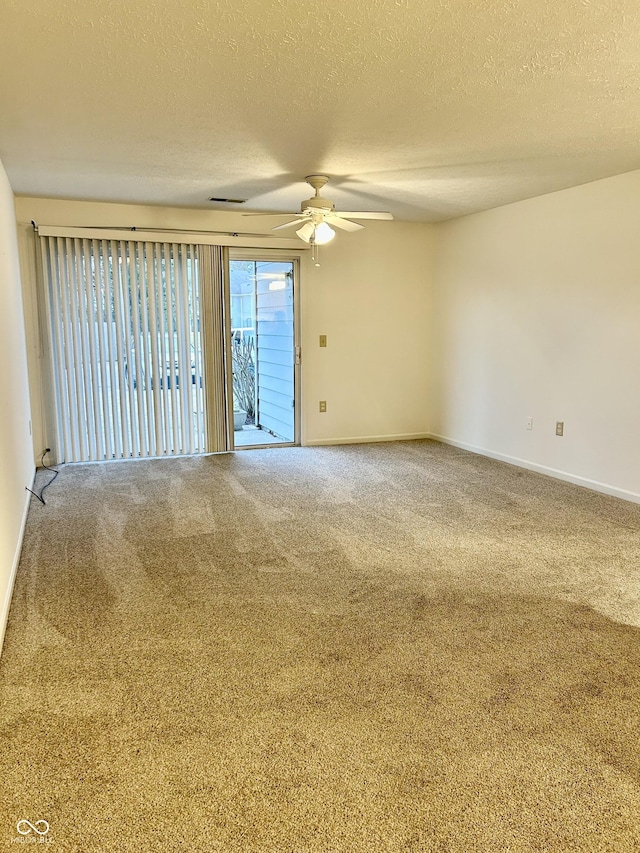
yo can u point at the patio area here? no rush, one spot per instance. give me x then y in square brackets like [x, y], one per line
[253, 436]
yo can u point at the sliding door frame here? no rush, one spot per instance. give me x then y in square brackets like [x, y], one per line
[249, 247]
[268, 255]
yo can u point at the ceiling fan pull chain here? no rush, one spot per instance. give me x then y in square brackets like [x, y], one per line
[315, 251]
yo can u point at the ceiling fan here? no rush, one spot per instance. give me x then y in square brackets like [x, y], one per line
[318, 216]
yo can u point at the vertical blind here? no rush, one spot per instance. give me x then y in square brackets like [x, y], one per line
[216, 330]
[127, 348]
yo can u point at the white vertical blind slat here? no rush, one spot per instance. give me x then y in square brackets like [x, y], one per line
[53, 301]
[138, 348]
[73, 449]
[91, 366]
[118, 360]
[106, 274]
[103, 325]
[128, 279]
[195, 332]
[145, 349]
[178, 379]
[154, 376]
[160, 381]
[184, 353]
[75, 328]
[84, 365]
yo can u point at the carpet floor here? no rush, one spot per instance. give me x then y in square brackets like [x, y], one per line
[380, 648]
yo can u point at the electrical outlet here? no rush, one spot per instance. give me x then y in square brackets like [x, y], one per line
[323, 405]
[559, 427]
[529, 423]
[323, 340]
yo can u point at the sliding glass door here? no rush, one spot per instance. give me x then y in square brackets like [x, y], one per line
[263, 351]
[165, 349]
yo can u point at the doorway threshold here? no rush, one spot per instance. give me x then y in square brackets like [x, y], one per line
[253, 436]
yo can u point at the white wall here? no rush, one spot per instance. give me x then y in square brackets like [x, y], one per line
[536, 311]
[16, 465]
[370, 296]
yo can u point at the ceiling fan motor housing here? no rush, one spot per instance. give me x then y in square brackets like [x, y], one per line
[322, 204]
[318, 202]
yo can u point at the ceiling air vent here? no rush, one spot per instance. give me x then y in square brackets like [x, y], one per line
[229, 200]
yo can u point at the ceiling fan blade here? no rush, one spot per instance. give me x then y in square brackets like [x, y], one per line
[269, 214]
[365, 214]
[287, 224]
[345, 224]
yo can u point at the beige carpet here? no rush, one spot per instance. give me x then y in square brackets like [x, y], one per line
[397, 647]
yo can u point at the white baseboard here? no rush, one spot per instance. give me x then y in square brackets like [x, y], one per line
[594, 485]
[6, 604]
[364, 439]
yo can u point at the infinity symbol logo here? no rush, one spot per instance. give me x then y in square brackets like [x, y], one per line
[44, 827]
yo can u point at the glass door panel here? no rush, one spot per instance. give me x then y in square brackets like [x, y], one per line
[263, 351]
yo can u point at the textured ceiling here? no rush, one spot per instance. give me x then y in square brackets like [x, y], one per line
[427, 108]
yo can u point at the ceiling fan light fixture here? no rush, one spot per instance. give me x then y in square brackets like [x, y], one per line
[306, 232]
[324, 233]
[316, 213]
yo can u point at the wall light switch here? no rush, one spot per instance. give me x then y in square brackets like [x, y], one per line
[559, 427]
[529, 423]
[323, 405]
[323, 340]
